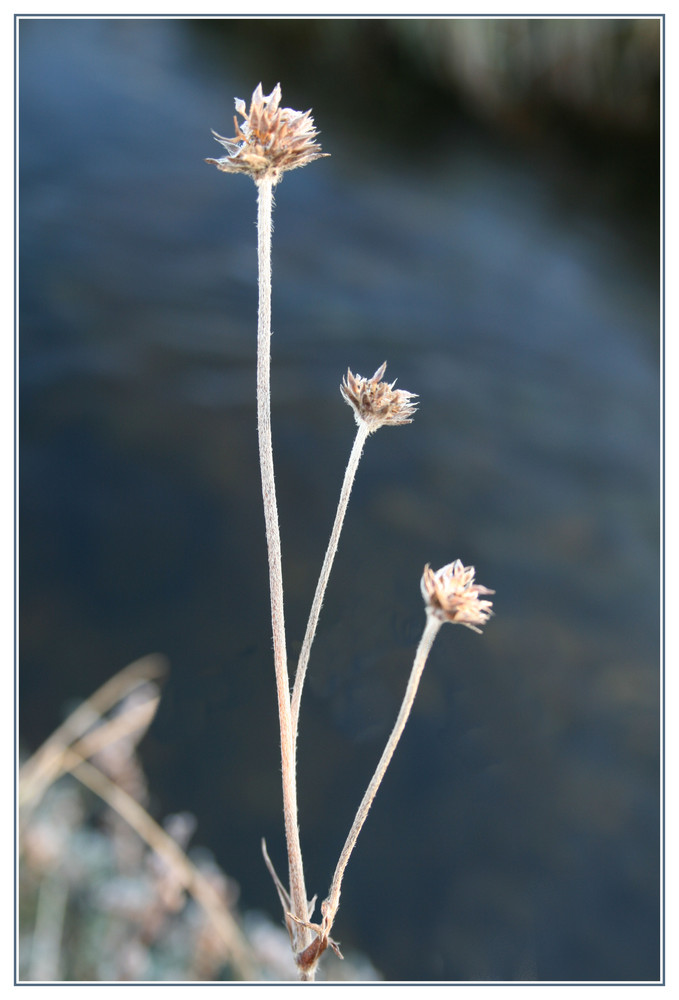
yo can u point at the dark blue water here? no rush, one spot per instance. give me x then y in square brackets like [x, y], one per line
[516, 835]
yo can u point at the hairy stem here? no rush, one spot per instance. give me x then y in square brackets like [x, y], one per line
[296, 869]
[429, 634]
[349, 476]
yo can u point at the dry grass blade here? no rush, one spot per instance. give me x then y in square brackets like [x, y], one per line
[134, 721]
[46, 765]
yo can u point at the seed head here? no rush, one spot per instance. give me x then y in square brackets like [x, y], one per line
[376, 403]
[269, 140]
[452, 596]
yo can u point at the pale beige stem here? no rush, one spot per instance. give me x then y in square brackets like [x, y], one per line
[322, 584]
[296, 870]
[331, 904]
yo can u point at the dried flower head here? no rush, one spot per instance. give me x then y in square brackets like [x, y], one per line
[376, 402]
[270, 139]
[452, 596]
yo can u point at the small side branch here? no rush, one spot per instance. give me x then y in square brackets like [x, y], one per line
[331, 904]
[349, 476]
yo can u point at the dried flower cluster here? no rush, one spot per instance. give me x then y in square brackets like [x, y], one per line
[375, 402]
[270, 139]
[452, 596]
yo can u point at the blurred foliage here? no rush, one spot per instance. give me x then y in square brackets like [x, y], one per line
[523, 74]
[100, 901]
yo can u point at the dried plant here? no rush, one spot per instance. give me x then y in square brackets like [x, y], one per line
[269, 141]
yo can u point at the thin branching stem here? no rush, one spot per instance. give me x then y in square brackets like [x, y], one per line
[429, 634]
[349, 476]
[296, 870]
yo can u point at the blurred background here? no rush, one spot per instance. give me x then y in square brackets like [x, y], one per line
[488, 223]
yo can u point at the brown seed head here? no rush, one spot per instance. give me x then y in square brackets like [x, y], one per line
[376, 403]
[269, 140]
[452, 596]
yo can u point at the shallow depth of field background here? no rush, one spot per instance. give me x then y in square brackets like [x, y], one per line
[488, 224]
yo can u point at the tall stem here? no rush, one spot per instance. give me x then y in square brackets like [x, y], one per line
[322, 584]
[429, 634]
[295, 866]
